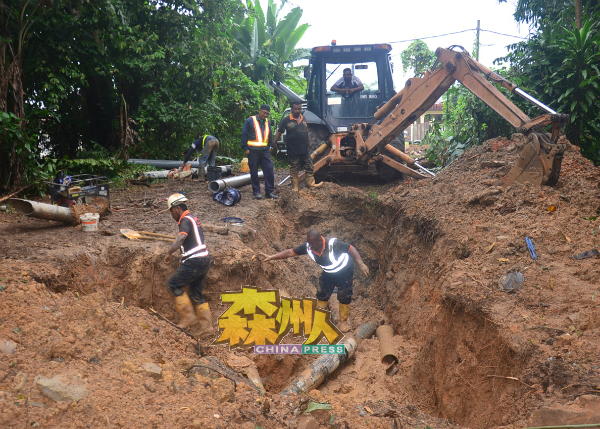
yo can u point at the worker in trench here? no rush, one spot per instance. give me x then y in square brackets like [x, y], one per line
[208, 147]
[336, 260]
[195, 263]
[296, 139]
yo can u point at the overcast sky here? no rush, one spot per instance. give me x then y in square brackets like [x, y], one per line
[386, 21]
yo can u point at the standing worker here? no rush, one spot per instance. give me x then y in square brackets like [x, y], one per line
[296, 139]
[208, 145]
[257, 143]
[195, 263]
[338, 270]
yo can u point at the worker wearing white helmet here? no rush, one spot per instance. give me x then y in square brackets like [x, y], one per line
[195, 263]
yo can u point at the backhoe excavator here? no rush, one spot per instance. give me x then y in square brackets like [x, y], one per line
[367, 143]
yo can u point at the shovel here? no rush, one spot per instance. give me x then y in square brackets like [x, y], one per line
[137, 235]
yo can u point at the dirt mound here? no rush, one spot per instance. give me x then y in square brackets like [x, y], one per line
[75, 305]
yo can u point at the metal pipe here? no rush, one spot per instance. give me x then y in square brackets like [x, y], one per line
[163, 174]
[367, 330]
[41, 210]
[233, 182]
[534, 101]
[313, 376]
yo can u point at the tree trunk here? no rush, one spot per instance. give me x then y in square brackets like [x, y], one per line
[578, 14]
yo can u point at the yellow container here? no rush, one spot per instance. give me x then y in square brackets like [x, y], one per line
[245, 168]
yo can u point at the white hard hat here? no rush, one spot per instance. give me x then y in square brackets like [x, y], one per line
[175, 200]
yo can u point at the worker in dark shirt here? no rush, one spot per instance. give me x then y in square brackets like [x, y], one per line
[195, 263]
[335, 258]
[296, 139]
[257, 143]
[208, 146]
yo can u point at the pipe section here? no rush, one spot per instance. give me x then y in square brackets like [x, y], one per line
[312, 377]
[367, 330]
[41, 210]
[233, 182]
[386, 349]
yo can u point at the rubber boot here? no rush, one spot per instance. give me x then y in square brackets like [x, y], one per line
[343, 325]
[184, 307]
[295, 181]
[322, 304]
[310, 181]
[205, 319]
[201, 177]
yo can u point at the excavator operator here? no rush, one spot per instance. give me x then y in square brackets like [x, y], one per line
[335, 258]
[348, 84]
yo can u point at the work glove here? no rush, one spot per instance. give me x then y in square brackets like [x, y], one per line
[267, 257]
[363, 268]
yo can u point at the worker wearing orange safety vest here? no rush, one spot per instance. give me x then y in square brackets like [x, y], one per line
[195, 263]
[257, 143]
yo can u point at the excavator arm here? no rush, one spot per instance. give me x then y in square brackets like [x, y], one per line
[540, 160]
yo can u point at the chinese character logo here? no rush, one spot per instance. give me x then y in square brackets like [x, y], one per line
[260, 317]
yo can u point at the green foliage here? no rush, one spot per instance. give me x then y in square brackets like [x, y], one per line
[468, 121]
[123, 77]
[417, 58]
[560, 66]
[267, 44]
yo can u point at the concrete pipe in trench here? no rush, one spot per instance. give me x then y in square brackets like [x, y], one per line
[41, 210]
[312, 377]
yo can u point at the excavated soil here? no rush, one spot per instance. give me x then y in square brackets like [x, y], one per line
[77, 305]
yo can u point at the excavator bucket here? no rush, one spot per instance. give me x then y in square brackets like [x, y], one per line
[528, 168]
[539, 163]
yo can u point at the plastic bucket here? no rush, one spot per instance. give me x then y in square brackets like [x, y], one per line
[89, 222]
[245, 167]
[213, 173]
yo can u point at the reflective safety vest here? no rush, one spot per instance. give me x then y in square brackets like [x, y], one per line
[261, 140]
[195, 252]
[336, 264]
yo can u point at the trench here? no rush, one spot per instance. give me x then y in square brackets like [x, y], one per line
[456, 345]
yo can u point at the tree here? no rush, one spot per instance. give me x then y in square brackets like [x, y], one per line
[267, 44]
[559, 64]
[120, 77]
[417, 58]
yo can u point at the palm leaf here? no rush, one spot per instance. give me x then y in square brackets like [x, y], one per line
[286, 26]
[296, 35]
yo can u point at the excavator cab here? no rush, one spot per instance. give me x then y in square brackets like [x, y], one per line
[369, 63]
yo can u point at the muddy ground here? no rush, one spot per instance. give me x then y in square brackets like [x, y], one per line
[76, 305]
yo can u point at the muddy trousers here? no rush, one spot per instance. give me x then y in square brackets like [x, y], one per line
[327, 284]
[262, 159]
[300, 162]
[191, 272]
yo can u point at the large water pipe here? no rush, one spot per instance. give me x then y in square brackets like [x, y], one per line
[313, 376]
[41, 210]
[231, 182]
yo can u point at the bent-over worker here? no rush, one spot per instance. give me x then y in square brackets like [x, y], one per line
[195, 263]
[335, 258]
[296, 139]
[208, 147]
